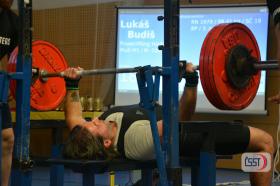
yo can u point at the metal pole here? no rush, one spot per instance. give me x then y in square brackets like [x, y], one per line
[21, 172]
[149, 93]
[170, 86]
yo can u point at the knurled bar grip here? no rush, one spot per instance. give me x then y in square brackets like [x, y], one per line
[92, 72]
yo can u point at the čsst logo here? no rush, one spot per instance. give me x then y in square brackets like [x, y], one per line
[256, 162]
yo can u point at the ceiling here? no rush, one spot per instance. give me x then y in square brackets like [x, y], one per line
[49, 4]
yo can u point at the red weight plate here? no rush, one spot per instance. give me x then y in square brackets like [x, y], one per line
[207, 68]
[218, 103]
[204, 68]
[46, 95]
[231, 35]
[214, 99]
[206, 78]
[203, 77]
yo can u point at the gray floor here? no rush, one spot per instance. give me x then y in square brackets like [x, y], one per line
[225, 177]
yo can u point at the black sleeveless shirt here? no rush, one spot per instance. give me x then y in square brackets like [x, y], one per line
[8, 32]
[131, 113]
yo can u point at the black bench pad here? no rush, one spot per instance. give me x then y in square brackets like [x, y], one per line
[101, 166]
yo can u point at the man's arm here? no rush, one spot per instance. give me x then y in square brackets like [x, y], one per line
[188, 99]
[274, 9]
[72, 105]
[276, 98]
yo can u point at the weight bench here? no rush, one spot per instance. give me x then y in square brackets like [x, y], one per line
[203, 168]
[88, 168]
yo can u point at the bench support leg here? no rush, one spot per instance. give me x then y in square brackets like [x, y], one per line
[175, 176]
[147, 177]
[88, 178]
[194, 175]
[207, 172]
[204, 173]
[56, 171]
[57, 175]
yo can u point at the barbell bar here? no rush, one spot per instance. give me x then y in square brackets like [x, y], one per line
[262, 65]
[44, 73]
[229, 69]
[267, 65]
[253, 68]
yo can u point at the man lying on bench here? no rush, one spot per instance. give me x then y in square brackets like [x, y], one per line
[124, 131]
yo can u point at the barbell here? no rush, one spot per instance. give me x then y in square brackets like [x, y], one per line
[229, 68]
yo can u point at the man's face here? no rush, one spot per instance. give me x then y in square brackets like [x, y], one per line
[6, 4]
[100, 128]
